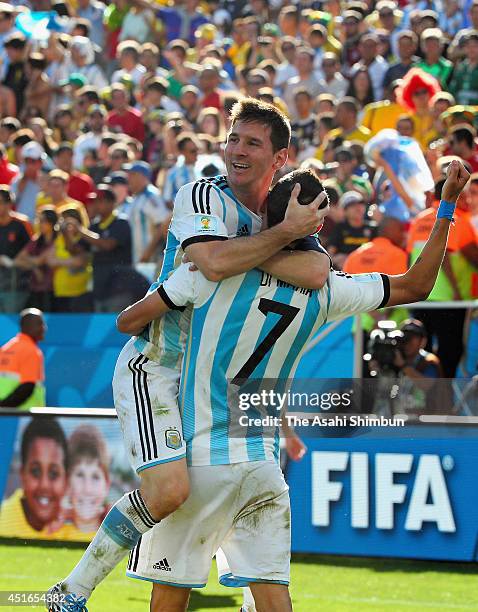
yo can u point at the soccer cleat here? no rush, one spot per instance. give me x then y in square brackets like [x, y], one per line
[58, 601]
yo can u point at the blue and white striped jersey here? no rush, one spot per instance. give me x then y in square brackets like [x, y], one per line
[250, 326]
[204, 210]
[144, 211]
[178, 176]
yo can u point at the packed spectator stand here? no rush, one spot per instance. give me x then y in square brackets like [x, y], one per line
[107, 109]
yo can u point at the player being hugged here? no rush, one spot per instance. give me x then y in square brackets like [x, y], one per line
[217, 222]
[239, 500]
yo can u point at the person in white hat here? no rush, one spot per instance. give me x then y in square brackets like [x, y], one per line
[26, 186]
[82, 60]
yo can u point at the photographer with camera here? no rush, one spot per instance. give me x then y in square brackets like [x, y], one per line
[400, 355]
[422, 373]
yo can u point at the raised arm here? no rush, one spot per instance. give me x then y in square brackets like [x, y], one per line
[221, 259]
[417, 283]
[394, 180]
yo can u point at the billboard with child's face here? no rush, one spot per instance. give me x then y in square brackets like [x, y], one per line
[63, 476]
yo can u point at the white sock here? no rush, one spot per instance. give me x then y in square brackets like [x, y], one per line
[119, 533]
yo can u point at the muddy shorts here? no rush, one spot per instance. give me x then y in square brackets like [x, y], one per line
[145, 397]
[242, 508]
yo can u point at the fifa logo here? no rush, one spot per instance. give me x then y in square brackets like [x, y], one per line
[425, 494]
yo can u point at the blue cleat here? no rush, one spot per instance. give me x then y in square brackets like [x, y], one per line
[59, 601]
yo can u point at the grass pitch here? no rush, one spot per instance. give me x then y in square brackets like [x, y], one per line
[319, 584]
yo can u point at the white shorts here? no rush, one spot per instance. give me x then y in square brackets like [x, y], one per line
[145, 396]
[242, 508]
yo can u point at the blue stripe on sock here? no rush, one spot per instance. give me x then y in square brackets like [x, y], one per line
[120, 529]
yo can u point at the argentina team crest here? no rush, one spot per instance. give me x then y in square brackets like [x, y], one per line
[173, 439]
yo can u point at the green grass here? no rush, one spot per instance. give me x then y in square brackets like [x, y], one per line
[319, 584]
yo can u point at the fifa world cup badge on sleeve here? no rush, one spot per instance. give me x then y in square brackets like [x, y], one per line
[205, 224]
[173, 439]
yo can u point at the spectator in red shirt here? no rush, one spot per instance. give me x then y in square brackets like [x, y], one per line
[462, 143]
[125, 118]
[8, 171]
[80, 185]
[209, 79]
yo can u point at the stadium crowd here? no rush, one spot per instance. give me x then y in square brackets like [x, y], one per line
[108, 109]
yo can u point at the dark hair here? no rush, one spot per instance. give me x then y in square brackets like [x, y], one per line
[179, 44]
[327, 119]
[37, 61]
[64, 146]
[464, 134]
[6, 194]
[105, 192]
[22, 136]
[51, 217]
[350, 103]
[42, 427]
[10, 123]
[352, 90]
[302, 92]
[251, 110]
[72, 213]
[278, 197]
[109, 139]
[183, 140]
[84, 25]
[61, 8]
[16, 41]
[473, 35]
[157, 84]
[230, 98]
[332, 194]
[90, 93]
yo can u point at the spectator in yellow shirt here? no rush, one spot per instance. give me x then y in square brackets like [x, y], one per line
[346, 118]
[72, 270]
[385, 113]
[55, 195]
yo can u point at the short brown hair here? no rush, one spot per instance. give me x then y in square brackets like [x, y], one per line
[86, 442]
[251, 110]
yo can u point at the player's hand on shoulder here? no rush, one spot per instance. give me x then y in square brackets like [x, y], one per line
[303, 219]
